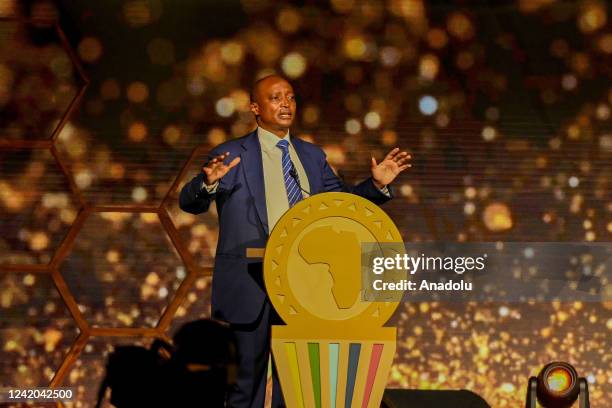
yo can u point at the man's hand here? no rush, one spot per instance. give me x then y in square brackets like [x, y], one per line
[386, 171]
[215, 169]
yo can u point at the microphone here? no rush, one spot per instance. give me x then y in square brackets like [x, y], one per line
[293, 173]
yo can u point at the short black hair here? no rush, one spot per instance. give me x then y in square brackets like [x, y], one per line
[255, 85]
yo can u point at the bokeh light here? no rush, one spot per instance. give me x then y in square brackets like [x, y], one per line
[428, 105]
[353, 126]
[390, 56]
[437, 38]
[605, 43]
[389, 138]
[559, 380]
[172, 134]
[225, 107]
[460, 26]
[137, 131]
[137, 92]
[90, 49]
[343, 6]
[265, 44]
[139, 13]
[44, 13]
[497, 217]
[294, 65]
[8, 8]
[310, 114]
[592, 16]
[429, 66]
[372, 120]
[216, 136]
[489, 133]
[232, 52]
[355, 47]
[288, 20]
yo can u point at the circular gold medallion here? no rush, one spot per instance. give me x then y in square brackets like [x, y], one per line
[312, 262]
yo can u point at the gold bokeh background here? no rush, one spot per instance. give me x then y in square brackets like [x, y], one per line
[106, 110]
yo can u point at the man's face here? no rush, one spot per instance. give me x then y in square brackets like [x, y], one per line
[274, 104]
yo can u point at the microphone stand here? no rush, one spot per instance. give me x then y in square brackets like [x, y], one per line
[293, 173]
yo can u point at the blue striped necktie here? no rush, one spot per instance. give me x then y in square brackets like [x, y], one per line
[294, 193]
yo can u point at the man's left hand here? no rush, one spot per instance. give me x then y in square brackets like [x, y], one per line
[386, 171]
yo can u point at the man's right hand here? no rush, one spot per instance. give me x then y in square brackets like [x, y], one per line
[215, 169]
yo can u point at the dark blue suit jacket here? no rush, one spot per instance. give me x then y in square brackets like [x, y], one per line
[238, 292]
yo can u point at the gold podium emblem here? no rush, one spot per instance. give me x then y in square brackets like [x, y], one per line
[334, 350]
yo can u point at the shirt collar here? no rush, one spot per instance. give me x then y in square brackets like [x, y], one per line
[269, 140]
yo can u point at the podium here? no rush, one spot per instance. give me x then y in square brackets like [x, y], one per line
[333, 350]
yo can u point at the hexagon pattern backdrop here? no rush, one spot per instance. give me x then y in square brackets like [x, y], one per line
[106, 110]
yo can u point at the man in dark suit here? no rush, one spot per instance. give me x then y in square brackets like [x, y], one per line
[254, 180]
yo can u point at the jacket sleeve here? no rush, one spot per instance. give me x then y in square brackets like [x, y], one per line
[366, 189]
[193, 198]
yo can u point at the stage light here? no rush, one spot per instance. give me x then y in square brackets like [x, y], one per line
[557, 386]
[559, 380]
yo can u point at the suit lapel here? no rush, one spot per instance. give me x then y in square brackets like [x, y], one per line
[308, 163]
[253, 169]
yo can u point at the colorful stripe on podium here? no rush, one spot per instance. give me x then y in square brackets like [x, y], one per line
[332, 374]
